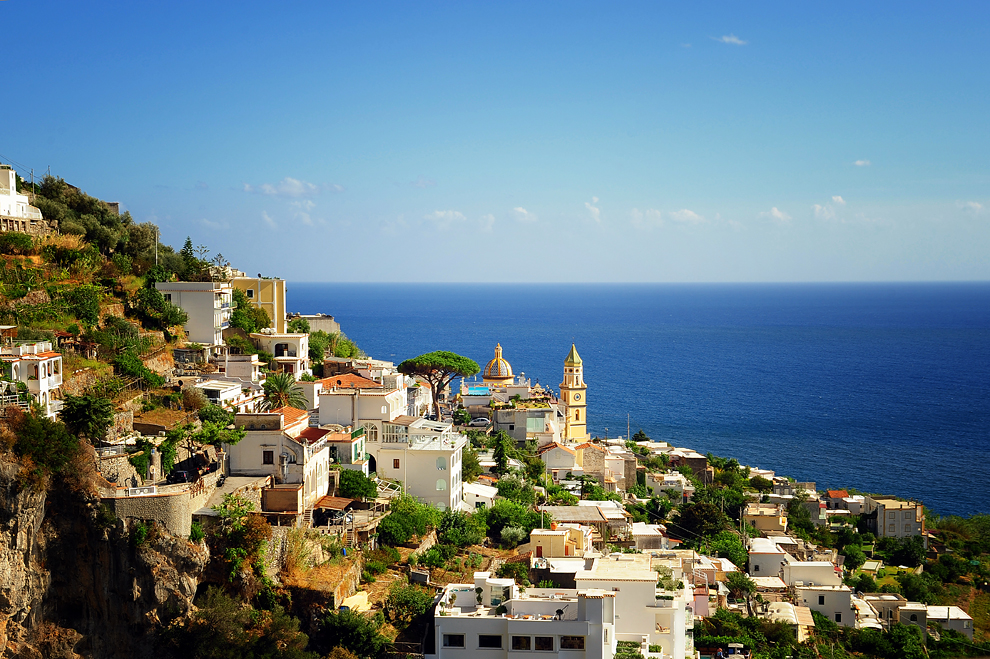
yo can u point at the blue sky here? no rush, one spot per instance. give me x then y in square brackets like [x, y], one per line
[505, 141]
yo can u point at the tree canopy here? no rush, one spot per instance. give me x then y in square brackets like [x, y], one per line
[281, 390]
[439, 368]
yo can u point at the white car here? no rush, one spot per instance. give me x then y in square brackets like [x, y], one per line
[480, 422]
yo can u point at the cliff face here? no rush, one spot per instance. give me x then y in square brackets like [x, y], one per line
[72, 584]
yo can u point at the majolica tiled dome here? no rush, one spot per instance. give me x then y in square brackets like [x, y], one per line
[497, 370]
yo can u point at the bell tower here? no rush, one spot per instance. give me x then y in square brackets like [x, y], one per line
[572, 395]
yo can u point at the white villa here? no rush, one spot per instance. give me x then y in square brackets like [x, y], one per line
[208, 305]
[492, 617]
[281, 444]
[291, 350]
[16, 211]
[39, 367]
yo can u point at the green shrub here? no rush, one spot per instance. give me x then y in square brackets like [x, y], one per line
[13, 242]
[196, 532]
[139, 534]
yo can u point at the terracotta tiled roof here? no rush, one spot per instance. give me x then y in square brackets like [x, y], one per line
[836, 494]
[43, 355]
[590, 445]
[313, 435]
[349, 381]
[291, 414]
[553, 445]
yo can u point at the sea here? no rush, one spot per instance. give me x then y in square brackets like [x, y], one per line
[884, 388]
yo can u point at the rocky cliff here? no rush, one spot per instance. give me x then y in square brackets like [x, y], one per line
[73, 583]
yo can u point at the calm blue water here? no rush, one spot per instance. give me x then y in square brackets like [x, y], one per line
[881, 387]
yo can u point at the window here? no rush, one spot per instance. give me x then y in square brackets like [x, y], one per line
[489, 641]
[250, 293]
[914, 617]
[907, 528]
[838, 617]
[544, 643]
[577, 415]
[520, 643]
[268, 457]
[442, 463]
[512, 426]
[453, 640]
[371, 432]
[441, 486]
[395, 463]
[756, 568]
[168, 297]
[572, 642]
[821, 600]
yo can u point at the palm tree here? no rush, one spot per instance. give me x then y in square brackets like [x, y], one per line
[281, 390]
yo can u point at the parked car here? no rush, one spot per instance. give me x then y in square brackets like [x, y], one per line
[180, 477]
[480, 422]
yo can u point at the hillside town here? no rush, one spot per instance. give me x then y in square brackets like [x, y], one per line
[449, 508]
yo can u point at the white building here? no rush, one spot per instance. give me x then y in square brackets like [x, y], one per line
[494, 619]
[281, 444]
[893, 518]
[950, 617]
[646, 612]
[291, 351]
[367, 408]
[479, 495]
[819, 573]
[208, 305]
[39, 368]
[671, 480]
[766, 558]
[833, 602]
[427, 464]
[232, 395]
[16, 212]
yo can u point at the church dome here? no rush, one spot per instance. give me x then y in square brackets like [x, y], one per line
[498, 370]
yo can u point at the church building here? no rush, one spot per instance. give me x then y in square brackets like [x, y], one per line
[572, 395]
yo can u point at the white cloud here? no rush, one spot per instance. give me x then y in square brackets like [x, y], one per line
[776, 214]
[687, 216]
[444, 219]
[651, 217]
[825, 212]
[304, 207]
[287, 187]
[970, 206]
[210, 224]
[839, 200]
[524, 215]
[730, 39]
[487, 221]
[862, 163]
[596, 213]
[268, 220]
[423, 182]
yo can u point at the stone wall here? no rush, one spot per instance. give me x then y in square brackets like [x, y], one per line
[77, 382]
[115, 309]
[172, 510]
[160, 361]
[123, 423]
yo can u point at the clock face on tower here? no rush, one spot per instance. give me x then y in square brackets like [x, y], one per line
[577, 396]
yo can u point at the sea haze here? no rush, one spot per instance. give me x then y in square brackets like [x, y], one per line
[880, 387]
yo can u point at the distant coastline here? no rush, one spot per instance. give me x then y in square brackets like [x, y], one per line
[878, 387]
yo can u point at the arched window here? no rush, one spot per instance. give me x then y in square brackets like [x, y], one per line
[577, 415]
[442, 463]
[371, 432]
[914, 617]
[441, 485]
